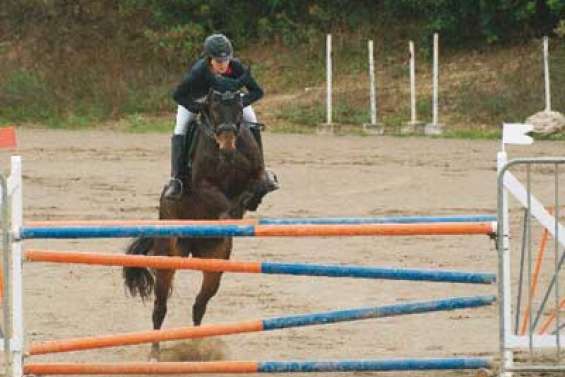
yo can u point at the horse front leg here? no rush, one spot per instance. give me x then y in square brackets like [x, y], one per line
[210, 285]
[210, 280]
[212, 198]
[239, 205]
[163, 284]
[250, 199]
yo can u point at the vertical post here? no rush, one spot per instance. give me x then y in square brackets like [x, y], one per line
[6, 277]
[372, 92]
[16, 283]
[413, 116]
[413, 125]
[504, 277]
[329, 79]
[435, 81]
[556, 265]
[435, 128]
[546, 73]
[528, 235]
[372, 127]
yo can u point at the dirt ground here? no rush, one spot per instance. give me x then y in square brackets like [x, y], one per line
[110, 175]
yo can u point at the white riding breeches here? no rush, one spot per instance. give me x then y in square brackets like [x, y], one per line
[184, 117]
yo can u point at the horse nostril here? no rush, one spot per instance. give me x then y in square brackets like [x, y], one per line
[226, 141]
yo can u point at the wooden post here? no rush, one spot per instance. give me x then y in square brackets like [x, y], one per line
[435, 128]
[546, 73]
[413, 126]
[373, 127]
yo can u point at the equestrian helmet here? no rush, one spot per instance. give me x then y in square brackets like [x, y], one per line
[218, 47]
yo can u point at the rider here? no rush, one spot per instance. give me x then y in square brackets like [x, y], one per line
[216, 68]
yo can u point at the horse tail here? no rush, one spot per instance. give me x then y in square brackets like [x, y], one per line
[139, 280]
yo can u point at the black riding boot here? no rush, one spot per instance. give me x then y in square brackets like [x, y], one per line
[179, 168]
[270, 180]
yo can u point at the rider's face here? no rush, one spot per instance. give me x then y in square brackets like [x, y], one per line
[219, 66]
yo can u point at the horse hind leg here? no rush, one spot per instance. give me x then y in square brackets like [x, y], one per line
[163, 286]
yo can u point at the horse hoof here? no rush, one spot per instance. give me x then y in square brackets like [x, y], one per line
[271, 181]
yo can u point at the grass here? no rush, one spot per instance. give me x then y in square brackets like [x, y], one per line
[30, 97]
[473, 134]
[478, 91]
[305, 115]
[139, 123]
[25, 97]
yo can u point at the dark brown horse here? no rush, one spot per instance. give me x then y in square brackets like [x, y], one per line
[228, 178]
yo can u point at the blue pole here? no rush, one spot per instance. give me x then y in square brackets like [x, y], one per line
[377, 273]
[372, 365]
[376, 312]
[128, 231]
[378, 220]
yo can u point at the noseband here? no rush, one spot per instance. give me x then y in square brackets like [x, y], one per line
[227, 127]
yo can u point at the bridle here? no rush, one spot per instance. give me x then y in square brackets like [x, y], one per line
[207, 125]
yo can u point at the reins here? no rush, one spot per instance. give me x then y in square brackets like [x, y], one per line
[205, 125]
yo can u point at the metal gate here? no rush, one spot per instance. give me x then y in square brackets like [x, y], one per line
[531, 288]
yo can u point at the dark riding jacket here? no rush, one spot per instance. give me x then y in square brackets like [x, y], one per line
[199, 80]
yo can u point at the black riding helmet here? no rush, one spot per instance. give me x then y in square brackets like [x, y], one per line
[218, 47]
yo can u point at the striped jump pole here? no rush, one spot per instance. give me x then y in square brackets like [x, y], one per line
[279, 221]
[301, 269]
[250, 230]
[277, 323]
[256, 367]
[378, 220]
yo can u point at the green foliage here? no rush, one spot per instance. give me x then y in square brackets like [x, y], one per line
[484, 20]
[517, 93]
[560, 29]
[76, 63]
[25, 96]
[557, 69]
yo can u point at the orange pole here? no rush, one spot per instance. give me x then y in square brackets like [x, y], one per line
[550, 319]
[80, 344]
[534, 285]
[374, 229]
[157, 262]
[142, 368]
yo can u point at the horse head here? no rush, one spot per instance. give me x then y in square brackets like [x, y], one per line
[224, 111]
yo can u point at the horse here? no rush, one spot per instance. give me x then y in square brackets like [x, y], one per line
[228, 179]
